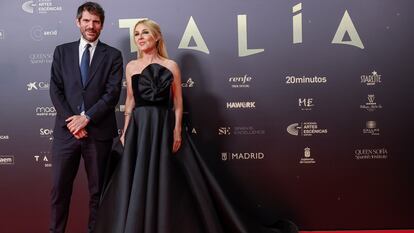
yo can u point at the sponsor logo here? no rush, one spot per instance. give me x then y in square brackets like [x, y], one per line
[4, 137]
[41, 58]
[189, 83]
[41, 7]
[6, 160]
[29, 6]
[371, 128]
[38, 33]
[306, 104]
[307, 158]
[305, 80]
[191, 130]
[247, 130]
[240, 130]
[371, 105]
[43, 158]
[224, 131]
[46, 133]
[370, 154]
[305, 129]
[226, 156]
[237, 105]
[124, 84]
[240, 81]
[38, 86]
[45, 111]
[371, 79]
[1, 34]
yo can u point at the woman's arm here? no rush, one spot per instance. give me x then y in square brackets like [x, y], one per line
[129, 102]
[178, 105]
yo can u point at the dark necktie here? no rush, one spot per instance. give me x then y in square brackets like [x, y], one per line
[84, 66]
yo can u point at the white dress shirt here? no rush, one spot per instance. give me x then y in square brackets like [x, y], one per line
[82, 47]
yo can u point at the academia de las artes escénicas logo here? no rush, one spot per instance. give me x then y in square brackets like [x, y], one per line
[305, 129]
[40, 7]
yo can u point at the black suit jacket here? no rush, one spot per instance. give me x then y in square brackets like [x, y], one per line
[100, 93]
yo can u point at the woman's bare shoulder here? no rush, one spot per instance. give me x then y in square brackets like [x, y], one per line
[171, 65]
[133, 67]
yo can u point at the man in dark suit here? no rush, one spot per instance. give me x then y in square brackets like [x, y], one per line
[85, 85]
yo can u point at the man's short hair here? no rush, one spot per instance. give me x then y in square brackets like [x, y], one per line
[93, 8]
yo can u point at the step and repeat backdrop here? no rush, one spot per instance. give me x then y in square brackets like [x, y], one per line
[303, 109]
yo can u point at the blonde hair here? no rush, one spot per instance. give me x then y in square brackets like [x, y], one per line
[155, 30]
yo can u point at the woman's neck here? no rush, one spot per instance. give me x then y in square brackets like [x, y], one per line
[150, 56]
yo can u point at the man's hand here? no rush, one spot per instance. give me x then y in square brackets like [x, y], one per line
[81, 134]
[77, 122]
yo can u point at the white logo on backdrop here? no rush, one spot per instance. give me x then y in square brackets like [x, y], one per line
[236, 105]
[371, 105]
[226, 156]
[38, 33]
[38, 86]
[189, 83]
[371, 79]
[305, 129]
[307, 159]
[306, 80]
[240, 81]
[41, 7]
[367, 154]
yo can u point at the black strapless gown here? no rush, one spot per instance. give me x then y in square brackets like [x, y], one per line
[152, 190]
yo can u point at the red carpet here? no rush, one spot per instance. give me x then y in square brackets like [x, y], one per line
[362, 231]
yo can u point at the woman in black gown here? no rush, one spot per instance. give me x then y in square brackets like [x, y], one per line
[161, 184]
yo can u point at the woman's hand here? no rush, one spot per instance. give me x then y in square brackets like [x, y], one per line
[177, 140]
[122, 139]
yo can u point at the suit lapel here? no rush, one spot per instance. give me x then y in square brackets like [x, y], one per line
[98, 57]
[76, 68]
